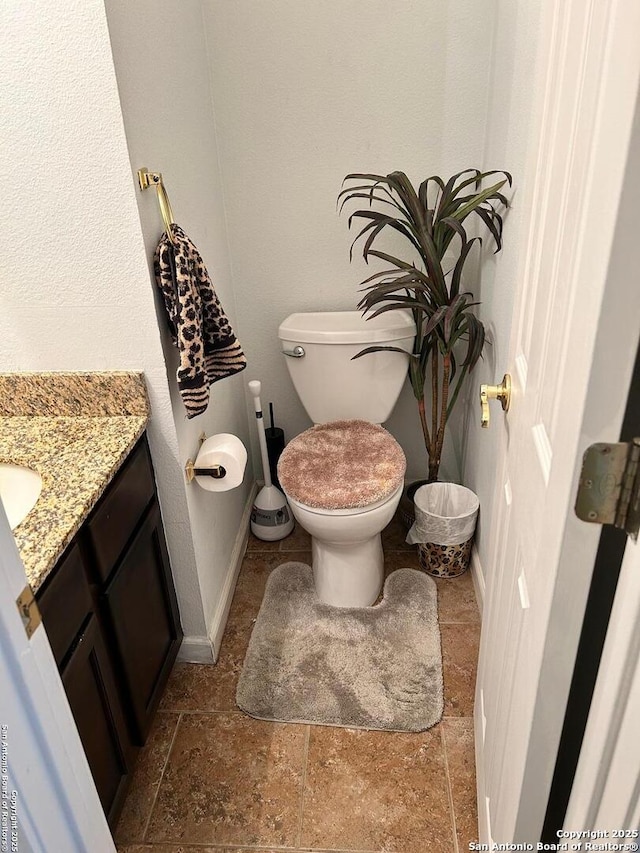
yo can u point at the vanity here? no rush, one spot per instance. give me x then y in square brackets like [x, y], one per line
[96, 559]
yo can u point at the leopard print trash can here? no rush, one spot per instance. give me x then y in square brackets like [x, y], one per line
[445, 561]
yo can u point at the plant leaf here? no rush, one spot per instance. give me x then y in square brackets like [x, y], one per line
[377, 222]
[370, 198]
[476, 200]
[402, 265]
[496, 230]
[435, 320]
[454, 288]
[407, 283]
[445, 236]
[476, 341]
[371, 299]
[456, 305]
[479, 178]
[423, 190]
[457, 227]
[447, 199]
[454, 366]
[382, 349]
[395, 307]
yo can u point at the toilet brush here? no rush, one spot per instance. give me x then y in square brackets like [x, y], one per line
[271, 517]
[275, 446]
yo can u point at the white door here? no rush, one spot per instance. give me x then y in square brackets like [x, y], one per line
[589, 71]
[49, 801]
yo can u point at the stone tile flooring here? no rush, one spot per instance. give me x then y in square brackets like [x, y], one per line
[213, 780]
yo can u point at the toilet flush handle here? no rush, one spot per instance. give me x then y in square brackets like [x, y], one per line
[296, 352]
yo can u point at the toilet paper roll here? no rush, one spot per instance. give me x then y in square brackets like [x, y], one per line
[222, 449]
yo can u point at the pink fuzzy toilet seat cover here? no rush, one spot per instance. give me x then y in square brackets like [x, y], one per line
[342, 465]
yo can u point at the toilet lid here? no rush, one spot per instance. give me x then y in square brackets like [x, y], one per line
[342, 465]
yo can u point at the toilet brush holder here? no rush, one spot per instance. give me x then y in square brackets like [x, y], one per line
[271, 518]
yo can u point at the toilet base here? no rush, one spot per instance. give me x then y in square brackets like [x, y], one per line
[348, 575]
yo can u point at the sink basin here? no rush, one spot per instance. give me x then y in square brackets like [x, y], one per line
[19, 490]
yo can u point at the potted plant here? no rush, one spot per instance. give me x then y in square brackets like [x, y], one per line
[427, 280]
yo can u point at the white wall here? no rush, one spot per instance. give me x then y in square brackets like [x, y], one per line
[163, 79]
[298, 95]
[76, 293]
[508, 123]
[305, 93]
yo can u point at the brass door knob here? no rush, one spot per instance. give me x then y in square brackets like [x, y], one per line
[495, 392]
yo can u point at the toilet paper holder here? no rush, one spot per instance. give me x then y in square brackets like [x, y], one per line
[216, 471]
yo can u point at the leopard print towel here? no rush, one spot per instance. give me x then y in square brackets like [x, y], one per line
[208, 348]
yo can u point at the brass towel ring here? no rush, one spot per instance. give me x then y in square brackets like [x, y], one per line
[148, 179]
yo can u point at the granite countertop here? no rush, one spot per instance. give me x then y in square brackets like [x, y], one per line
[76, 441]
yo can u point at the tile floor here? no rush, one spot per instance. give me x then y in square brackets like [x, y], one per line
[213, 780]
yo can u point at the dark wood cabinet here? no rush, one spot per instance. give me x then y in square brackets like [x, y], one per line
[142, 615]
[65, 603]
[115, 518]
[93, 698]
[109, 608]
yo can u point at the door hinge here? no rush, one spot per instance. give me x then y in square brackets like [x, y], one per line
[28, 609]
[609, 489]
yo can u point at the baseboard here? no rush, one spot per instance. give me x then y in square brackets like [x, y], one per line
[196, 650]
[219, 621]
[478, 578]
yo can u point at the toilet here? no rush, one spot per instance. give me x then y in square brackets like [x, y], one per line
[344, 476]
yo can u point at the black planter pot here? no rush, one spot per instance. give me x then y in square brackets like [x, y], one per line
[405, 508]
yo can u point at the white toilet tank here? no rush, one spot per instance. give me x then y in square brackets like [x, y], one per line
[331, 387]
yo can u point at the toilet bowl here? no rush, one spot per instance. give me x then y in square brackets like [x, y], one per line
[344, 476]
[343, 481]
[347, 557]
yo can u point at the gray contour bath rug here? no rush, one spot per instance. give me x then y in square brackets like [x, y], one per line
[363, 667]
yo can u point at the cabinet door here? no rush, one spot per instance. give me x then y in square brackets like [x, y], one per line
[65, 602]
[116, 516]
[141, 609]
[94, 702]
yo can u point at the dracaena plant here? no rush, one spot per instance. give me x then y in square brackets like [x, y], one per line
[428, 281]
